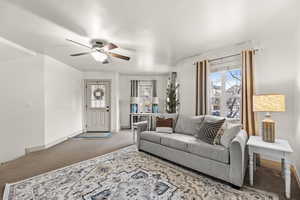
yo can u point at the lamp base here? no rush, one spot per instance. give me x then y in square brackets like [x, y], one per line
[155, 108]
[268, 130]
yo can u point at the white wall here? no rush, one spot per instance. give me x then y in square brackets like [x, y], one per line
[63, 100]
[40, 104]
[21, 106]
[114, 77]
[295, 134]
[276, 71]
[187, 87]
[125, 93]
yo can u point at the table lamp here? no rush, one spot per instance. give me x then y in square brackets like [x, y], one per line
[155, 102]
[268, 103]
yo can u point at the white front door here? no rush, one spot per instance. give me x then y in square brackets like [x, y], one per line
[97, 105]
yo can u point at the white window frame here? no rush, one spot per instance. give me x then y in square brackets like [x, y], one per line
[222, 65]
[145, 83]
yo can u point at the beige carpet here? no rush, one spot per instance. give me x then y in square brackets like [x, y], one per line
[61, 155]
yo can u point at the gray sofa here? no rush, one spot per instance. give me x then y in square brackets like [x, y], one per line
[181, 147]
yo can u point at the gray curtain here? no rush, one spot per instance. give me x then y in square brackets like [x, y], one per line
[154, 84]
[134, 88]
[134, 92]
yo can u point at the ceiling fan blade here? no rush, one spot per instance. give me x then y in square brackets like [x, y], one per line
[80, 44]
[81, 54]
[110, 46]
[119, 56]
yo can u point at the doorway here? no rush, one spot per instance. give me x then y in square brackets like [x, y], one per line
[97, 105]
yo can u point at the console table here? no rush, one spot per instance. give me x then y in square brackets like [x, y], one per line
[147, 115]
[280, 150]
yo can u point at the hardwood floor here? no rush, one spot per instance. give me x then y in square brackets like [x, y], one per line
[76, 150]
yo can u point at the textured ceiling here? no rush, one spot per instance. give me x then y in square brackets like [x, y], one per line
[160, 32]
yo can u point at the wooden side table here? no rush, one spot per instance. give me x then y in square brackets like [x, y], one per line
[280, 150]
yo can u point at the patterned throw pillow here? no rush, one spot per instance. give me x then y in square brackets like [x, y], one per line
[164, 125]
[217, 140]
[209, 130]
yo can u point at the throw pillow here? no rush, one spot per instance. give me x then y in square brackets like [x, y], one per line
[226, 125]
[174, 116]
[209, 130]
[188, 125]
[229, 134]
[164, 125]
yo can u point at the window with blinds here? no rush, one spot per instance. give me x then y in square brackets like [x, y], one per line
[224, 87]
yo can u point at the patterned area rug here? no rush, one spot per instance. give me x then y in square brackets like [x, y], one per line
[127, 174]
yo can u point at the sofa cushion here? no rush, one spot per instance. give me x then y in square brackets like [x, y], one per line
[152, 136]
[188, 124]
[188, 144]
[177, 141]
[214, 152]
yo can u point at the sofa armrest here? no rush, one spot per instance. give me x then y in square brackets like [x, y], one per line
[238, 158]
[141, 127]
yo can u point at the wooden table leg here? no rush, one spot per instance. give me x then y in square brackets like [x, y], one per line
[254, 162]
[282, 168]
[287, 174]
[251, 168]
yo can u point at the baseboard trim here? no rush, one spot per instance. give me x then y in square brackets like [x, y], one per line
[277, 165]
[17, 157]
[125, 127]
[33, 149]
[60, 140]
[51, 144]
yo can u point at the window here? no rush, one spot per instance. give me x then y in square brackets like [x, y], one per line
[145, 95]
[224, 88]
[97, 96]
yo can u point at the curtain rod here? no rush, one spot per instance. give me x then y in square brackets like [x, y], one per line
[229, 56]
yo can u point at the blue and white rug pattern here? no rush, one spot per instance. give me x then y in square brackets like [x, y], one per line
[127, 174]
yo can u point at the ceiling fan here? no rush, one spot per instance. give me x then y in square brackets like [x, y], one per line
[100, 50]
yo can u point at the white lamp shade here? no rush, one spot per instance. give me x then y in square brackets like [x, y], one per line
[269, 103]
[134, 100]
[155, 100]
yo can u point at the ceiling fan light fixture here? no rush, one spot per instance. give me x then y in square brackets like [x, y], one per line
[100, 57]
